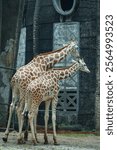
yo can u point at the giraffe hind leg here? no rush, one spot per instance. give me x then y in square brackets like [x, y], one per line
[20, 115]
[5, 138]
[26, 126]
[20, 121]
[11, 109]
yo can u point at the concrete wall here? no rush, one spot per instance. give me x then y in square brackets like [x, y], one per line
[87, 16]
[89, 35]
[8, 28]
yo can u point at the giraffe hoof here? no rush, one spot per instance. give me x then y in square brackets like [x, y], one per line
[46, 142]
[34, 142]
[4, 139]
[57, 144]
[26, 136]
[21, 141]
[55, 141]
[37, 141]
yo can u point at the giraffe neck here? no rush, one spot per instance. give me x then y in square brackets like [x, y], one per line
[51, 58]
[56, 57]
[67, 72]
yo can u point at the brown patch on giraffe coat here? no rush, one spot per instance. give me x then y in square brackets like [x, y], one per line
[57, 56]
[31, 74]
[22, 76]
[66, 72]
[43, 67]
[61, 54]
[36, 65]
[38, 59]
[62, 74]
[33, 78]
[21, 69]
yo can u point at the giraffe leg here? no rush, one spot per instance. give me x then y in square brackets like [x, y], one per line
[54, 103]
[31, 116]
[12, 107]
[20, 137]
[20, 120]
[27, 126]
[25, 112]
[9, 122]
[35, 126]
[47, 105]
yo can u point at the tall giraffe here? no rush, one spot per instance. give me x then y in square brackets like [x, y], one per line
[31, 71]
[46, 88]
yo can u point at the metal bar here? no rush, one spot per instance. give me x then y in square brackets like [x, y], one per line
[7, 68]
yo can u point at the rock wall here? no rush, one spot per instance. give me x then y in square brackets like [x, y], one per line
[6, 71]
[9, 15]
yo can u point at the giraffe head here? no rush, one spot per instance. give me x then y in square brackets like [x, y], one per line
[74, 49]
[73, 46]
[82, 65]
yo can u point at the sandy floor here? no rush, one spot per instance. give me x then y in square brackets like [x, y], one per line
[70, 141]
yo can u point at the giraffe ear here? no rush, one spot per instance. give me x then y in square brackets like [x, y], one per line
[76, 46]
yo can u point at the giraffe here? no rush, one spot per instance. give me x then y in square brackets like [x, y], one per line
[25, 74]
[46, 88]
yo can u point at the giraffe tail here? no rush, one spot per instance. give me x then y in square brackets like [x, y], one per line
[27, 102]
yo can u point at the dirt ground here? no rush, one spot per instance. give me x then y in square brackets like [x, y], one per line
[67, 141]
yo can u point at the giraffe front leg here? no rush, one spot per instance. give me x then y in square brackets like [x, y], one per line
[31, 116]
[54, 103]
[46, 117]
[35, 126]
